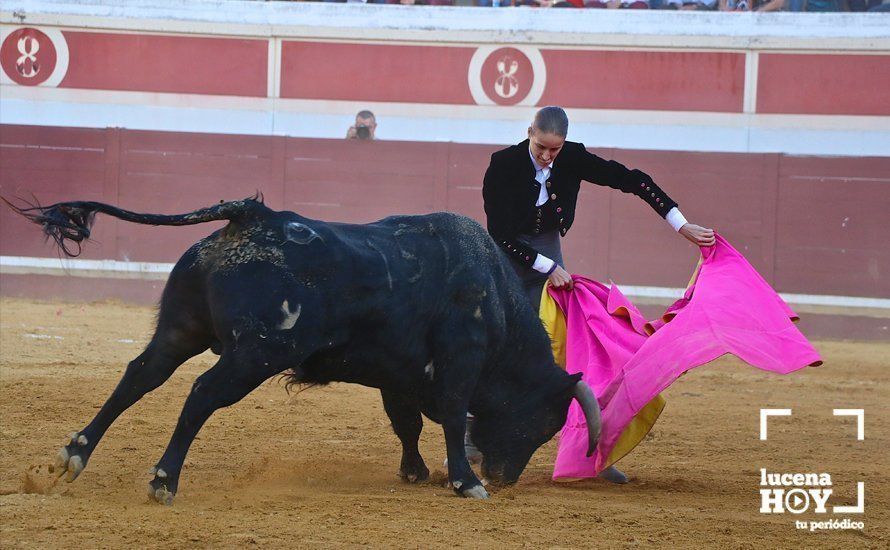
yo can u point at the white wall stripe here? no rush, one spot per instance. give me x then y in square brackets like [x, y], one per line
[277, 67]
[272, 69]
[101, 269]
[752, 61]
[114, 269]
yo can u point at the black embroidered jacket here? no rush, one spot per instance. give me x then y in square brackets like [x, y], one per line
[510, 191]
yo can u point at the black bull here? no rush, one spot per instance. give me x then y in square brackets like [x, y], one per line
[424, 308]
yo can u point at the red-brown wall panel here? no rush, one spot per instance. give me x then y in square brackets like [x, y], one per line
[180, 172]
[159, 63]
[375, 72]
[685, 81]
[823, 84]
[832, 226]
[724, 191]
[358, 181]
[465, 170]
[49, 165]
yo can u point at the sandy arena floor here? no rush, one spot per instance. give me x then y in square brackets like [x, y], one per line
[317, 469]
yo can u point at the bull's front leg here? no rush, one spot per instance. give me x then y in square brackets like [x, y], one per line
[454, 381]
[460, 474]
[459, 354]
[404, 413]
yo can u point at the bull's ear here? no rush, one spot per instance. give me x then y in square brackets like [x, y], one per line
[576, 377]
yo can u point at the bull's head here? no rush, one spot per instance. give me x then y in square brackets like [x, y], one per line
[509, 437]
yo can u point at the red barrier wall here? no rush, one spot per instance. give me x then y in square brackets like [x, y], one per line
[823, 84]
[812, 225]
[696, 79]
[158, 63]
[653, 80]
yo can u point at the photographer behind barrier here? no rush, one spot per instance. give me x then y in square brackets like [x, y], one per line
[364, 126]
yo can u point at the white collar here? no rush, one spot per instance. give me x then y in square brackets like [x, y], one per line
[537, 166]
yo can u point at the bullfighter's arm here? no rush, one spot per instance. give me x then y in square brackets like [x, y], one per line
[617, 176]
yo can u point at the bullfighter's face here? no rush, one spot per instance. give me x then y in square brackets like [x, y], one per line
[544, 146]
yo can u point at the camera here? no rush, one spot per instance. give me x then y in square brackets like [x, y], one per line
[362, 132]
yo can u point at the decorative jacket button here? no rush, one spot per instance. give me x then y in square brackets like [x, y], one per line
[653, 194]
[549, 184]
[558, 209]
[647, 189]
[642, 184]
[553, 196]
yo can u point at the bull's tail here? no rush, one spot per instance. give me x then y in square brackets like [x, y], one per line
[71, 222]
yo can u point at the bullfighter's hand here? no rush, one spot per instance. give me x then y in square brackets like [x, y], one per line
[560, 278]
[698, 235]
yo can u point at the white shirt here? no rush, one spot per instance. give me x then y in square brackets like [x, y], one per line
[543, 264]
[541, 175]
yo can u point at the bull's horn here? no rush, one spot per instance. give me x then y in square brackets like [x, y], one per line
[591, 409]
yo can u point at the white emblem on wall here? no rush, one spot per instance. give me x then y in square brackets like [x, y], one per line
[32, 56]
[507, 75]
[506, 85]
[27, 64]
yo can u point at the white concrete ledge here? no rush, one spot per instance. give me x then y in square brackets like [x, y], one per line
[322, 119]
[96, 269]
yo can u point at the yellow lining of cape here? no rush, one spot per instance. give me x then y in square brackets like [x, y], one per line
[555, 324]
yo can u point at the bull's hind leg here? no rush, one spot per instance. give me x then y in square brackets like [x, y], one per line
[236, 374]
[404, 413]
[167, 350]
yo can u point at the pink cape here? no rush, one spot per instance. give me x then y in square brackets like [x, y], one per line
[628, 361]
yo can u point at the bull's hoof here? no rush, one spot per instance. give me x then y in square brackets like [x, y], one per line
[476, 491]
[72, 458]
[415, 473]
[161, 489]
[160, 495]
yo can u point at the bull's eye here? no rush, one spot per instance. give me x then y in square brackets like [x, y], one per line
[300, 233]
